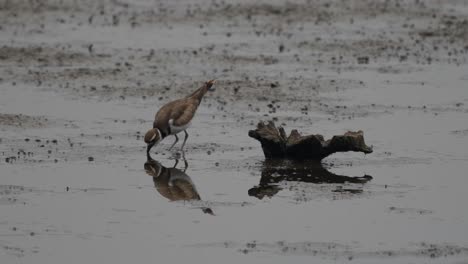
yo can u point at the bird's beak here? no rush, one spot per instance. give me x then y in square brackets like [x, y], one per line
[210, 84]
[207, 210]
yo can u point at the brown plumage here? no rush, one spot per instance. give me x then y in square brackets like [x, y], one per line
[180, 111]
[171, 183]
[175, 117]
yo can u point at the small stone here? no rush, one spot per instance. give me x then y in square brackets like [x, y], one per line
[363, 60]
[281, 48]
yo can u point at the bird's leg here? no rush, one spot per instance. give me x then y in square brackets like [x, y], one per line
[186, 165]
[185, 161]
[176, 162]
[185, 140]
[176, 139]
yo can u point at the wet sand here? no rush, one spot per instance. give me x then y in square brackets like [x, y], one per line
[80, 82]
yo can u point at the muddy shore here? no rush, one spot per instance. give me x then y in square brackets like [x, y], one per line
[80, 82]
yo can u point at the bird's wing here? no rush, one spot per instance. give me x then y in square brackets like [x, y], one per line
[186, 190]
[182, 114]
[165, 191]
[164, 114]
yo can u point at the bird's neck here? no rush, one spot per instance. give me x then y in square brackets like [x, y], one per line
[163, 133]
[199, 93]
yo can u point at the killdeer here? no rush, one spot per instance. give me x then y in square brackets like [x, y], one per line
[175, 117]
[173, 183]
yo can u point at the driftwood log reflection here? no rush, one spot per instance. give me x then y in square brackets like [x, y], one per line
[276, 144]
[275, 171]
[172, 183]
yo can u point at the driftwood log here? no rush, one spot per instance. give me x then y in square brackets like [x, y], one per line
[276, 144]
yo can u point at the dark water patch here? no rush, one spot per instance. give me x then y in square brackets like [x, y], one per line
[338, 251]
[452, 27]
[425, 250]
[300, 192]
[11, 250]
[209, 149]
[12, 194]
[377, 160]
[23, 121]
[244, 59]
[462, 132]
[412, 211]
[398, 69]
[252, 164]
[89, 82]
[90, 190]
[42, 56]
[340, 189]
[32, 150]
[33, 8]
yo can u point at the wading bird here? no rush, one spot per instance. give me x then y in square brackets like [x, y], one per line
[175, 117]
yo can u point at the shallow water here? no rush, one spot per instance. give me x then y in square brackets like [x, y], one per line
[74, 187]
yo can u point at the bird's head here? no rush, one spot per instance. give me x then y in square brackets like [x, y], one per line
[153, 168]
[152, 137]
[209, 85]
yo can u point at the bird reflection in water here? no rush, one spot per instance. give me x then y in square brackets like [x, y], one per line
[275, 171]
[173, 183]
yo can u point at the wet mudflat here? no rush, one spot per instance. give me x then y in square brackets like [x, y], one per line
[80, 83]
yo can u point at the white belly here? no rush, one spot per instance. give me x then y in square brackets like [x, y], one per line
[177, 129]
